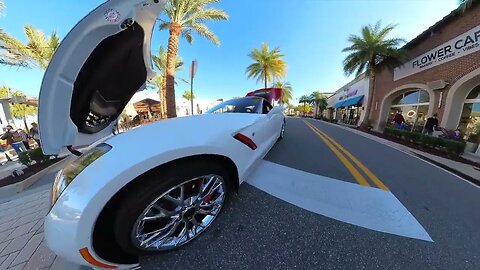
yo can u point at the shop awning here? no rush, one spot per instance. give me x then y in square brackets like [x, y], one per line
[349, 102]
[353, 101]
[338, 105]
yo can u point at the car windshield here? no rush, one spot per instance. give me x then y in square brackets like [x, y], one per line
[239, 105]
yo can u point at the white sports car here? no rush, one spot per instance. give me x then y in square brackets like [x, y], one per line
[151, 189]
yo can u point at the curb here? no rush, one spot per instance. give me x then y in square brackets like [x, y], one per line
[469, 179]
[21, 186]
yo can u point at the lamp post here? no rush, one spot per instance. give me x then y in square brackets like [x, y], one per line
[193, 70]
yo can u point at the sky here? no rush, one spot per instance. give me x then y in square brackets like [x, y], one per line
[310, 33]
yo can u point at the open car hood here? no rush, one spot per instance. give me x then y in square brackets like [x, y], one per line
[102, 62]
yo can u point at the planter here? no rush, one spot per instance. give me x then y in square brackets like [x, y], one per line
[471, 147]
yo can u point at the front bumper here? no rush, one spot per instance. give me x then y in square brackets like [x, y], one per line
[66, 237]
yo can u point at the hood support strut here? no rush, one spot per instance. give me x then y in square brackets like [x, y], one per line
[73, 151]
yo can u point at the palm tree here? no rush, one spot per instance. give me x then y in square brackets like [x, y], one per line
[367, 51]
[268, 64]
[159, 81]
[286, 91]
[188, 95]
[18, 110]
[37, 52]
[6, 58]
[320, 101]
[305, 100]
[186, 17]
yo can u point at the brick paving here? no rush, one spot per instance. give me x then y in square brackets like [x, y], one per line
[22, 245]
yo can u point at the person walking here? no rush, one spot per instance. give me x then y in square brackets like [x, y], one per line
[24, 137]
[13, 139]
[398, 120]
[431, 125]
[34, 134]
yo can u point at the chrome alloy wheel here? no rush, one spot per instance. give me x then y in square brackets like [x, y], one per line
[180, 214]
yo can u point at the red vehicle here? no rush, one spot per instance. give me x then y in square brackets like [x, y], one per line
[269, 94]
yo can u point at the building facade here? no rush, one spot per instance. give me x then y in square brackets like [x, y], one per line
[347, 104]
[442, 76]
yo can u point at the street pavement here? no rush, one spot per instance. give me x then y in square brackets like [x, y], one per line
[259, 231]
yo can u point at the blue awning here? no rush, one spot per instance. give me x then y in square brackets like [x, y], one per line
[338, 105]
[351, 102]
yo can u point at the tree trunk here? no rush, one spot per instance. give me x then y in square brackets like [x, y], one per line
[25, 123]
[265, 80]
[371, 89]
[175, 30]
[163, 97]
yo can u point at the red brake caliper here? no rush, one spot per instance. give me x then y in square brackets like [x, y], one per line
[208, 198]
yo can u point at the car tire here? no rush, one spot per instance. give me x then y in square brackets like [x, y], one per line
[154, 184]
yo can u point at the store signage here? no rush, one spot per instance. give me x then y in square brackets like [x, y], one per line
[348, 93]
[411, 113]
[462, 45]
[356, 89]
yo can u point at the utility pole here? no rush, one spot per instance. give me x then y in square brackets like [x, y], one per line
[193, 70]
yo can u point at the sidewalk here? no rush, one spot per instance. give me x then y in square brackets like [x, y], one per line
[466, 171]
[22, 244]
[9, 167]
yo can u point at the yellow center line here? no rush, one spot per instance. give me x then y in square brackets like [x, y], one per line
[369, 173]
[356, 174]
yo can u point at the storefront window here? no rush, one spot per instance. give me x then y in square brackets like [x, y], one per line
[470, 119]
[413, 106]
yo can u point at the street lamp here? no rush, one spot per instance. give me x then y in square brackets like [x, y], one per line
[193, 70]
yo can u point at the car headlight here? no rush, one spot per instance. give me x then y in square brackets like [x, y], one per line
[74, 168]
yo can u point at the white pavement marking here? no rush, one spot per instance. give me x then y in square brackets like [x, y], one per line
[367, 207]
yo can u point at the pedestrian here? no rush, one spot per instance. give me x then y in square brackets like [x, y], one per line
[398, 120]
[13, 139]
[35, 135]
[344, 117]
[431, 125]
[24, 136]
[457, 136]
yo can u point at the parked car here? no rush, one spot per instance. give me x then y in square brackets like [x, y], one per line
[153, 188]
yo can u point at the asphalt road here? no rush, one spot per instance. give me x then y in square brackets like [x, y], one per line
[258, 231]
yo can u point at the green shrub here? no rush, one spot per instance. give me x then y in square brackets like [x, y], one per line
[439, 142]
[427, 141]
[388, 132]
[448, 146]
[36, 155]
[408, 136]
[396, 133]
[415, 137]
[24, 158]
[403, 134]
[454, 147]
